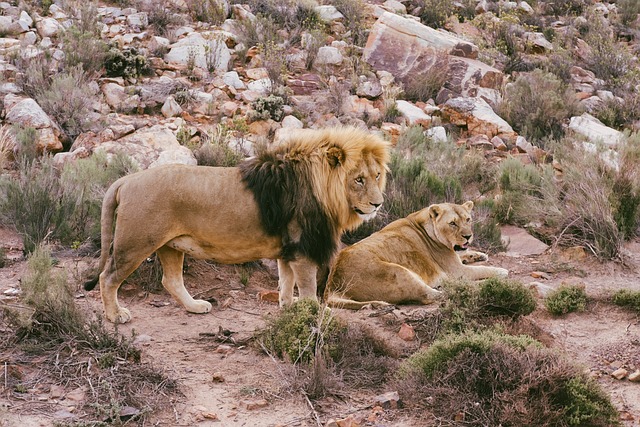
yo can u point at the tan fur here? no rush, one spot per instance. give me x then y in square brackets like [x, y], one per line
[404, 261]
[209, 213]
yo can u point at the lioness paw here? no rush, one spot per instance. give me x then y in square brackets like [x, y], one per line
[502, 272]
[199, 306]
[121, 315]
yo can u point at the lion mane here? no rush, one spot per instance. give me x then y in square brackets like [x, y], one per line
[290, 202]
[407, 259]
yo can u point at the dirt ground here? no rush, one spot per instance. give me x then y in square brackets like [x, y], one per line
[235, 384]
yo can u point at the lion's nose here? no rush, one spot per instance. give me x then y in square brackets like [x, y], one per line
[468, 237]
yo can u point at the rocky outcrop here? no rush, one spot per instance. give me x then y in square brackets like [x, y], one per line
[477, 117]
[407, 48]
[594, 130]
[26, 112]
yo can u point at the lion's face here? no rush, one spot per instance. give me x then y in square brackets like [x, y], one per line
[365, 184]
[452, 224]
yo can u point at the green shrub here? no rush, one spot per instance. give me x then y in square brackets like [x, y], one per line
[3, 257]
[82, 44]
[434, 13]
[486, 228]
[354, 19]
[566, 299]
[537, 105]
[212, 11]
[627, 298]
[299, 331]
[628, 11]
[127, 63]
[270, 107]
[162, 19]
[68, 100]
[490, 378]
[26, 144]
[470, 307]
[34, 203]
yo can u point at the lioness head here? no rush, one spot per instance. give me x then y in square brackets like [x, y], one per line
[451, 224]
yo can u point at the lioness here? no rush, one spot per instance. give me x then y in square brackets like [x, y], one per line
[404, 261]
[290, 203]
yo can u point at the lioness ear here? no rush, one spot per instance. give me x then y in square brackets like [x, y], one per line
[468, 205]
[335, 156]
[435, 211]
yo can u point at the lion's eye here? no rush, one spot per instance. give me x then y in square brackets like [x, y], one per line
[453, 224]
[378, 177]
[360, 180]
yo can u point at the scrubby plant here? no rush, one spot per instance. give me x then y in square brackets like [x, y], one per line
[628, 11]
[434, 13]
[68, 100]
[26, 144]
[127, 63]
[6, 147]
[489, 378]
[82, 44]
[566, 299]
[211, 11]
[269, 107]
[522, 189]
[33, 203]
[470, 307]
[627, 298]
[162, 19]
[537, 104]
[298, 330]
[354, 19]
[486, 228]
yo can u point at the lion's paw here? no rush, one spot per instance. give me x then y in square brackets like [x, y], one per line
[122, 315]
[199, 306]
[501, 272]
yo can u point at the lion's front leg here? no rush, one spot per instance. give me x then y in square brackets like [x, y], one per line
[479, 272]
[172, 261]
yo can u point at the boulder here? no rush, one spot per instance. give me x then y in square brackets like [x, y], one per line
[406, 48]
[118, 99]
[328, 55]
[26, 112]
[146, 146]
[171, 108]
[48, 27]
[521, 243]
[413, 114]
[206, 54]
[594, 130]
[478, 117]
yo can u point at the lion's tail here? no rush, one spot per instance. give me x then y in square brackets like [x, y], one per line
[109, 205]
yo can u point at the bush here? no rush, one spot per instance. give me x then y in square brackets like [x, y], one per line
[34, 203]
[434, 13]
[470, 307]
[486, 228]
[490, 378]
[299, 331]
[215, 150]
[68, 100]
[265, 108]
[627, 298]
[212, 11]
[566, 299]
[354, 19]
[127, 63]
[26, 144]
[628, 11]
[426, 85]
[537, 105]
[82, 44]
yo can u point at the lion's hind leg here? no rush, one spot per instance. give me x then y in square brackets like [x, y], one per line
[116, 270]
[336, 301]
[403, 285]
[172, 280]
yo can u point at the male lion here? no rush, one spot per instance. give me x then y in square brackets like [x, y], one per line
[289, 203]
[404, 261]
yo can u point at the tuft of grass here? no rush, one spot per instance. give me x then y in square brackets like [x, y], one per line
[486, 227]
[215, 150]
[627, 298]
[6, 147]
[566, 299]
[489, 378]
[211, 11]
[537, 104]
[426, 85]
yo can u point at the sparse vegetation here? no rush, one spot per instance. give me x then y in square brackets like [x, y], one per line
[216, 151]
[489, 378]
[127, 63]
[269, 107]
[566, 299]
[425, 86]
[627, 298]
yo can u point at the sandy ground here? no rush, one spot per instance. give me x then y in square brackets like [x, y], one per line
[239, 385]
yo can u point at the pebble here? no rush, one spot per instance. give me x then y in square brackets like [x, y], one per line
[619, 374]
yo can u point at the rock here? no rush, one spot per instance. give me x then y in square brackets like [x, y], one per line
[619, 373]
[594, 130]
[540, 275]
[171, 108]
[390, 400]
[395, 6]
[477, 116]
[369, 89]
[407, 333]
[232, 79]
[328, 55]
[179, 155]
[523, 145]
[292, 122]
[147, 144]
[499, 144]
[140, 19]
[540, 290]
[229, 108]
[472, 78]
[261, 86]
[574, 253]
[437, 134]
[268, 296]
[257, 404]
[118, 99]
[537, 43]
[349, 421]
[521, 243]
[27, 113]
[305, 84]
[412, 114]
[635, 377]
[328, 13]
[217, 377]
[210, 54]
[480, 142]
[26, 18]
[48, 27]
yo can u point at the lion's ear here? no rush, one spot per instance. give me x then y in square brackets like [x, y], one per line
[435, 211]
[335, 156]
[468, 205]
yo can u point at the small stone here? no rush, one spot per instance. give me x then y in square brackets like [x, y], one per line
[540, 275]
[257, 404]
[350, 421]
[210, 415]
[268, 296]
[390, 400]
[619, 373]
[407, 332]
[635, 377]
[615, 364]
[224, 349]
[217, 377]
